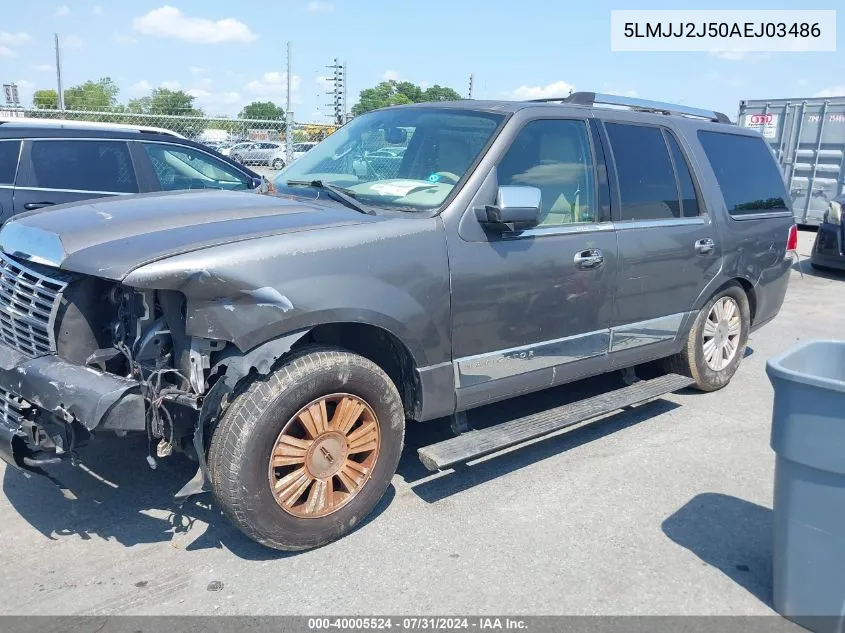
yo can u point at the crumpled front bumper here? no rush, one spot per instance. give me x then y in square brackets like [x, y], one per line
[68, 392]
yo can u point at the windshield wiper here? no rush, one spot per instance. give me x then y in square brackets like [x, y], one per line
[340, 194]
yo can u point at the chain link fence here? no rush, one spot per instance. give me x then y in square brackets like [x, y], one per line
[205, 129]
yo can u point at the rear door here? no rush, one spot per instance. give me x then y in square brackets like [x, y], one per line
[57, 171]
[9, 152]
[667, 241]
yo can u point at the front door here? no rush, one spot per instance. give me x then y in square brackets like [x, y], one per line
[57, 171]
[668, 244]
[531, 309]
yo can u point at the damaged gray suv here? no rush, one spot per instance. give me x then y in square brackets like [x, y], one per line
[421, 261]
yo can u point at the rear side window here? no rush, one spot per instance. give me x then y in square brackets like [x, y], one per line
[689, 199]
[84, 165]
[9, 151]
[747, 174]
[647, 182]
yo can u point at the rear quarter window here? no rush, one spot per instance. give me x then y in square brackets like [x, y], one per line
[747, 173]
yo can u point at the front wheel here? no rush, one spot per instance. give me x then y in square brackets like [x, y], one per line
[304, 454]
[716, 341]
[277, 164]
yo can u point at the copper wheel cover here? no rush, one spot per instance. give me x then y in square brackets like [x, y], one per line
[324, 455]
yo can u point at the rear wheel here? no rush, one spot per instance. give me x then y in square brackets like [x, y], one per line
[278, 163]
[716, 341]
[304, 454]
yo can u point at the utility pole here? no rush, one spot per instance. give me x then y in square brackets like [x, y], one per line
[471, 81]
[60, 95]
[338, 104]
[288, 117]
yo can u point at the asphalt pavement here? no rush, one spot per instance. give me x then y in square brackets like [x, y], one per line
[664, 509]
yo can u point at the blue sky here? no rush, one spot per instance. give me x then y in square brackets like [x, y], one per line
[230, 53]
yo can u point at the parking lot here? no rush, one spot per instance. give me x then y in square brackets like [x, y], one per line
[664, 509]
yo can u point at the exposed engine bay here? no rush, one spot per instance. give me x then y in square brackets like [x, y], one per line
[124, 350]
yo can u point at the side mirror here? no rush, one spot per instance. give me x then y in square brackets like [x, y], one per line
[516, 209]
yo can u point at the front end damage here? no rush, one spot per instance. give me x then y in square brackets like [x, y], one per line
[81, 356]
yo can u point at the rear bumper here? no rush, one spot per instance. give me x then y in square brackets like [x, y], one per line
[46, 392]
[829, 249]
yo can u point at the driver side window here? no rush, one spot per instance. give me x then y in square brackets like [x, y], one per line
[554, 155]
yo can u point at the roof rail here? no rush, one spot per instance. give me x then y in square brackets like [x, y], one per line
[77, 124]
[640, 105]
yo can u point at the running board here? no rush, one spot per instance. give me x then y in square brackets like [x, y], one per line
[482, 442]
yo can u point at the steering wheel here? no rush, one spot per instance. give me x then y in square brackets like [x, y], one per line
[448, 176]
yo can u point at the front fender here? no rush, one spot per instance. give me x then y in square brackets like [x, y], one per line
[392, 274]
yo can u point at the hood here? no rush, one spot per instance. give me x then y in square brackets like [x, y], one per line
[109, 237]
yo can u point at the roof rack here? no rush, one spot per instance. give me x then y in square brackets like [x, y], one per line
[639, 105]
[85, 125]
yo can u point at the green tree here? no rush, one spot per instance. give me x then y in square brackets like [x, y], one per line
[262, 110]
[440, 93]
[393, 92]
[97, 95]
[165, 101]
[45, 99]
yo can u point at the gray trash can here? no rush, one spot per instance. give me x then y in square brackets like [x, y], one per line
[808, 436]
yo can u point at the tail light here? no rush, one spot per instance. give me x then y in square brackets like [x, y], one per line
[792, 240]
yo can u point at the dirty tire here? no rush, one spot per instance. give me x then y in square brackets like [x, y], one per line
[691, 362]
[241, 446]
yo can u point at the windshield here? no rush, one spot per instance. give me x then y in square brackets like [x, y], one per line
[404, 158]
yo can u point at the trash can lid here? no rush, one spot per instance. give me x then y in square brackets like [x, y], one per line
[818, 363]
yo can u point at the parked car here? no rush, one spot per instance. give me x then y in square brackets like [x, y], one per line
[255, 153]
[47, 162]
[279, 158]
[284, 341]
[227, 150]
[829, 247]
[808, 138]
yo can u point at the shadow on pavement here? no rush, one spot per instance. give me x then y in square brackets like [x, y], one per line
[821, 273]
[114, 495]
[731, 534]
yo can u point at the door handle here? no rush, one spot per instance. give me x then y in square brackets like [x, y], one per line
[31, 206]
[589, 259]
[705, 246]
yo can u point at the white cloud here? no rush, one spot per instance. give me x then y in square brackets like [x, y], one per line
[170, 85]
[61, 11]
[44, 68]
[319, 7]
[98, 10]
[198, 70]
[198, 93]
[170, 22]
[70, 42]
[5, 51]
[141, 87]
[740, 56]
[122, 38]
[833, 91]
[391, 75]
[554, 89]
[802, 82]
[14, 39]
[25, 84]
[273, 83]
